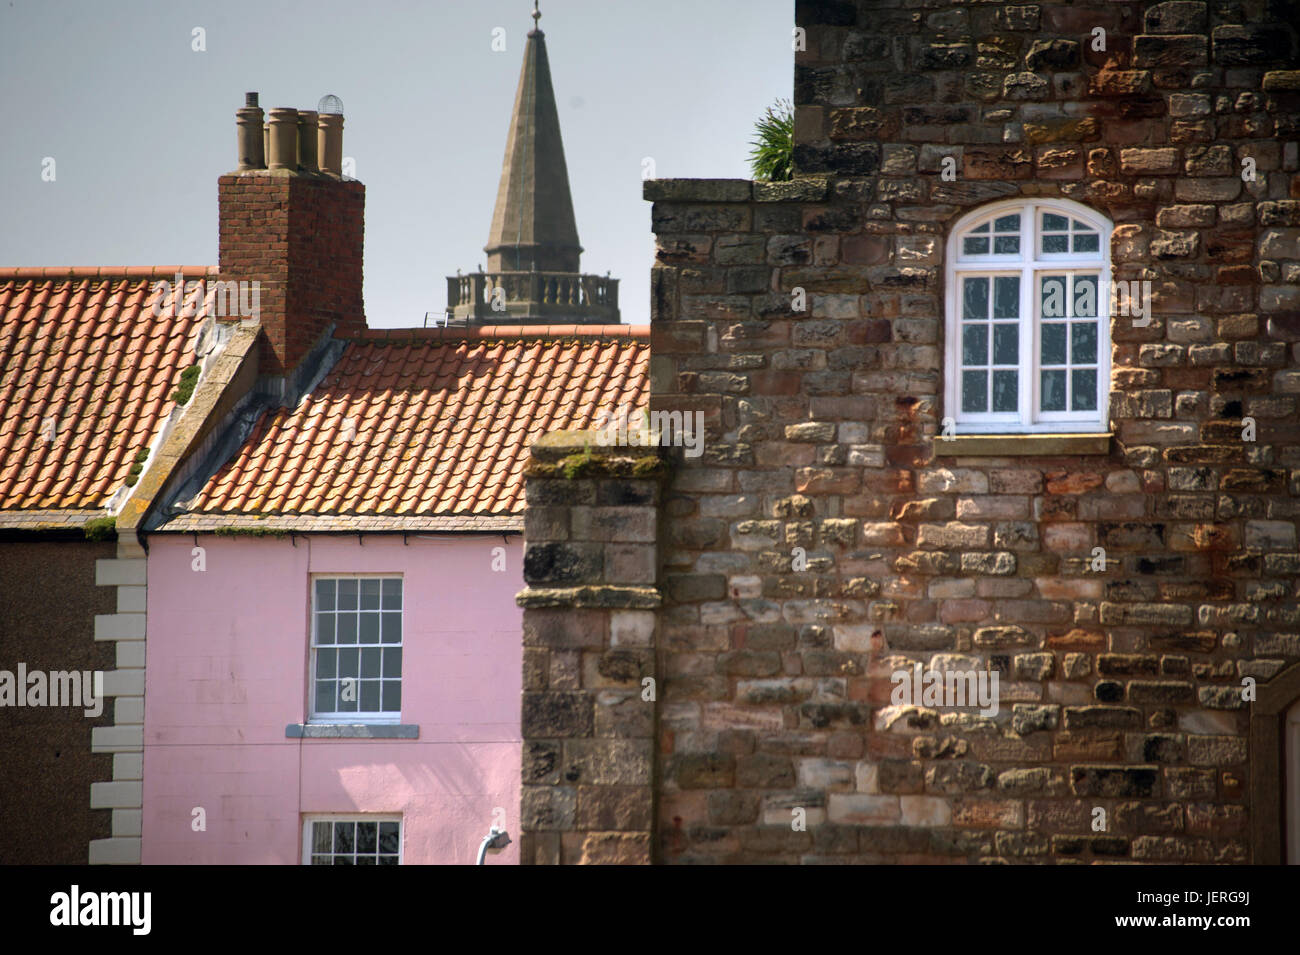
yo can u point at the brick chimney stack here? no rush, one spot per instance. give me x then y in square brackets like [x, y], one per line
[290, 221]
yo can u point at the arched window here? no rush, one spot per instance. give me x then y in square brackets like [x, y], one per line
[1028, 330]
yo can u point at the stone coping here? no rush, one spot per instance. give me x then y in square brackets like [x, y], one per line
[799, 189]
[590, 597]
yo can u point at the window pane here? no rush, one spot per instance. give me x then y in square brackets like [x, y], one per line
[326, 663]
[324, 595]
[1053, 388]
[347, 595]
[343, 860]
[1054, 223]
[320, 860]
[1006, 244]
[1053, 344]
[1084, 383]
[370, 594]
[370, 662]
[1052, 296]
[1006, 296]
[367, 836]
[1056, 243]
[347, 628]
[1009, 223]
[324, 696]
[1087, 242]
[325, 628]
[389, 838]
[320, 837]
[343, 832]
[392, 696]
[975, 345]
[974, 391]
[393, 661]
[1006, 344]
[392, 628]
[1005, 395]
[370, 696]
[974, 246]
[984, 228]
[1083, 343]
[348, 663]
[392, 591]
[1085, 296]
[975, 298]
[369, 628]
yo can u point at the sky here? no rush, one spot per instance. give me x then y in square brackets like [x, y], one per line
[140, 124]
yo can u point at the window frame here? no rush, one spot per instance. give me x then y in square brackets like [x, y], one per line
[332, 817]
[1029, 265]
[1290, 783]
[378, 717]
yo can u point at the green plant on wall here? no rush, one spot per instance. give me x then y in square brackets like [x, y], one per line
[185, 387]
[771, 157]
[137, 467]
[100, 528]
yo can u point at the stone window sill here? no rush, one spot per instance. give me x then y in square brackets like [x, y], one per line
[1021, 445]
[352, 731]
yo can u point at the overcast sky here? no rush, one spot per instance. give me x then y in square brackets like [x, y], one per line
[140, 125]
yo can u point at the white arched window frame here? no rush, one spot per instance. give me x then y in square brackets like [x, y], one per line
[1029, 339]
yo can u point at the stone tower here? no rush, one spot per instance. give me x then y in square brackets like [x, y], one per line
[532, 273]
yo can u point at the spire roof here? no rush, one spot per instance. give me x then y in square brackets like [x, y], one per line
[533, 228]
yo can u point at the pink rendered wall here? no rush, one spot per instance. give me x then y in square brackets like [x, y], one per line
[226, 670]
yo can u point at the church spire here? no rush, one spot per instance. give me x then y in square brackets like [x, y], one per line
[532, 275]
[533, 228]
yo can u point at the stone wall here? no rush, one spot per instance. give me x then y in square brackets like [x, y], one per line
[828, 538]
[1121, 688]
[590, 674]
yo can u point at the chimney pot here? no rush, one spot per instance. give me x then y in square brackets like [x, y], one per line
[284, 139]
[307, 136]
[329, 141]
[251, 143]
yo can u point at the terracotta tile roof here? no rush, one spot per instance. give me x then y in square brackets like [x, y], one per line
[427, 423]
[84, 360]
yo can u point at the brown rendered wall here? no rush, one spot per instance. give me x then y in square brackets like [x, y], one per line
[48, 603]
